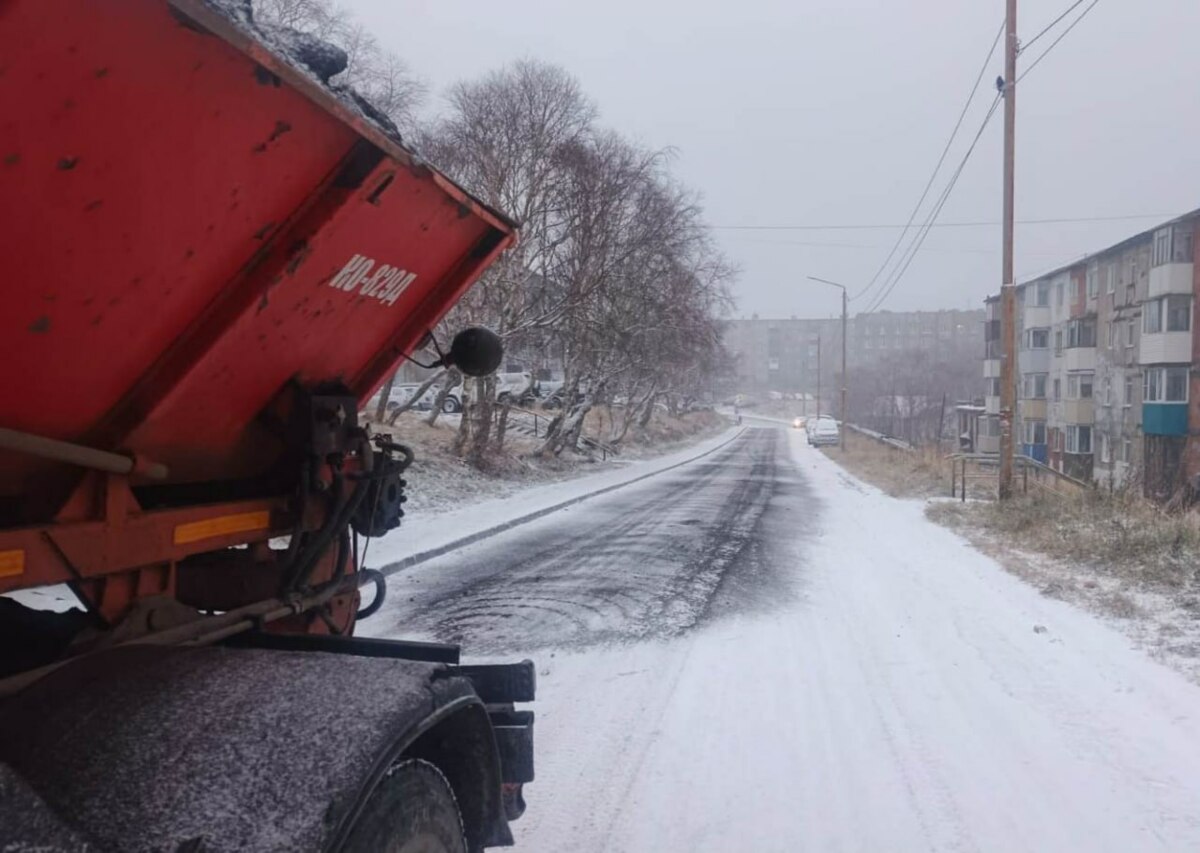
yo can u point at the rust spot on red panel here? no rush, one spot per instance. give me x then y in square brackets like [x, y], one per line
[40, 326]
[68, 163]
[93, 205]
[299, 256]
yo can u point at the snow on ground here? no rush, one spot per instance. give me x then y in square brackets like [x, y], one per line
[917, 698]
[1163, 623]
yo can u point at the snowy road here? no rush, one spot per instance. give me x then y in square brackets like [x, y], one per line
[757, 652]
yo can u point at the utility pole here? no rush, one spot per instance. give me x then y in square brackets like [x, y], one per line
[842, 431]
[1008, 288]
[818, 377]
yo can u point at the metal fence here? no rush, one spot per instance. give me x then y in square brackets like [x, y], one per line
[972, 469]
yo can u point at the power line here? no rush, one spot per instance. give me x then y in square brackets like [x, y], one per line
[1061, 36]
[1059, 220]
[1051, 25]
[922, 233]
[826, 245]
[945, 150]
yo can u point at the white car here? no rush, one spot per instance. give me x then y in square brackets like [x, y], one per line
[822, 431]
[516, 387]
[403, 393]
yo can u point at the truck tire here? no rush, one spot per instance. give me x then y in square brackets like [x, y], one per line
[451, 406]
[413, 810]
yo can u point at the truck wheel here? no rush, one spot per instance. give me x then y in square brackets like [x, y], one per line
[412, 811]
[450, 406]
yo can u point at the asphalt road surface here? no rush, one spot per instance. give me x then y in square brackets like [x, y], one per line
[652, 560]
[758, 652]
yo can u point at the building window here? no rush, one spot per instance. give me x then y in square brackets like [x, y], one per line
[1110, 276]
[1058, 294]
[1170, 313]
[1126, 450]
[1093, 281]
[1128, 400]
[1079, 386]
[1152, 317]
[1033, 432]
[1081, 333]
[1042, 294]
[1105, 449]
[1112, 335]
[1179, 313]
[1165, 385]
[1173, 245]
[1130, 332]
[1037, 338]
[1057, 390]
[1035, 386]
[1107, 391]
[1079, 439]
[1058, 341]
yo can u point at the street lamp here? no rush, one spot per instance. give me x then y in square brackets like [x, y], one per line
[842, 287]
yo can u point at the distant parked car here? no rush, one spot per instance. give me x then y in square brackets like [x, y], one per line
[515, 387]
[403, 393]
[823, 431]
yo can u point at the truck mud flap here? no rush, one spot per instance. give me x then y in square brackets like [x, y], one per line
[499, 686]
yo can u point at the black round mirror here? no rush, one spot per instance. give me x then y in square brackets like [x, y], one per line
[476, 351]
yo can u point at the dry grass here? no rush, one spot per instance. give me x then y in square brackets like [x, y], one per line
[1120, 534]
[662, 431]
[899, 473]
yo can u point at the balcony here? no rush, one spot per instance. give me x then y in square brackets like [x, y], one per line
[1034, 360]
[1165, 347]
[1079, 358]
[1170, 278]
[1079, 412]
[991, 405]
[1034, 410]
[991, 368]
[1164, 418]
[1035, 315]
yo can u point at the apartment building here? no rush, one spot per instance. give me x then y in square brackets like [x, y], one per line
[775, 354]
[1106, 388]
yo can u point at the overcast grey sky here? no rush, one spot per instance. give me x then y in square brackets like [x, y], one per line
[818, 112]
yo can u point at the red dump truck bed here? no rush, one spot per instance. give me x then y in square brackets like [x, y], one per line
[209, 258]
[190, 222]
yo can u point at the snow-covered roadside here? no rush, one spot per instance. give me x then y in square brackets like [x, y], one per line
[1164, 623]
[422, 535]
[918, 698]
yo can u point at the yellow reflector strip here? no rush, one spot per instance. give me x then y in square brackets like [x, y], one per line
[222, 525]
[12, 563]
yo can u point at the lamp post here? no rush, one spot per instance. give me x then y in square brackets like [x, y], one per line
[842, 287]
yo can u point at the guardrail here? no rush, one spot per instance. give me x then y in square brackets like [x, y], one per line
[881, 438]
[985, 467]
[535, 424]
